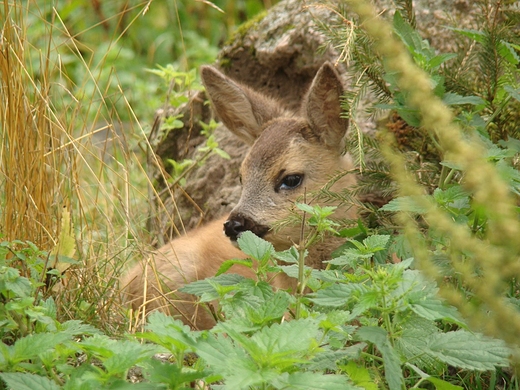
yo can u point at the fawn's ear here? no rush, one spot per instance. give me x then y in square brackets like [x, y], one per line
[322, 107]
[243, 111]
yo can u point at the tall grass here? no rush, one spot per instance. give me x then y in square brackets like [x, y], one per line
[61, 154]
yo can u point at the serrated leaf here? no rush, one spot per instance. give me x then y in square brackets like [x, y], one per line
[379, 337]
[336, 295]
[11, 280]
[254, 246]
[312, 381]
[375, 243]
[127, 354]
[272, 309]
[471, 351]
[405, 203]
[207, 286]
[159, 372]
[360, 376]
[27, 381]
[290, 255]
[170, 333]
[77, 328]
[412, 343]
[32, 345]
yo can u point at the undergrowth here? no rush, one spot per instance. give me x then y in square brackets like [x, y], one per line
[423, 294]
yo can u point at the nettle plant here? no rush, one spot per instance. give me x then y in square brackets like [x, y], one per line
[180, 85]
[363, 322]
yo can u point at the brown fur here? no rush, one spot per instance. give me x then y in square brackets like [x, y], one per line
[308, 144]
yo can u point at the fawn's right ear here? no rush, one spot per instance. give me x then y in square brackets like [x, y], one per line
[242, 110]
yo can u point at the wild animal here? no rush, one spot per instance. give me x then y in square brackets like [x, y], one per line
[292, 154]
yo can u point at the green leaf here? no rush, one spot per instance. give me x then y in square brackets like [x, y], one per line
[453, 99]
[312, 381]
[157, 371]
[478, 36]
[290, 255]
[405, 203]
[376, 243]
[207, 286]
[254, 246]
[31, 346]
[360, 376]
[226, 265]
[471, 351]
[336, 295]
[379, 337]
[27, 381]
[412, 343]
[513, 92]
[442, 385]
[170, 333]
[128, 353]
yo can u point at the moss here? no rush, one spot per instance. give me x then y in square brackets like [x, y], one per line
[245, 27]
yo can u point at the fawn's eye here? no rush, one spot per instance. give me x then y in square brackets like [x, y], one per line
[290, 182]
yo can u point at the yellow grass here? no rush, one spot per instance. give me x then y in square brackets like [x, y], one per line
[61, 154]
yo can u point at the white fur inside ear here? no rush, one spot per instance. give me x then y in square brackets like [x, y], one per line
[243, 111]
[322, 107]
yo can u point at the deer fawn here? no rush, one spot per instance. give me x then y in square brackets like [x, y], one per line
[292, 153]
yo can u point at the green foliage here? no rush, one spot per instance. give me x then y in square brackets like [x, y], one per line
[372, 318]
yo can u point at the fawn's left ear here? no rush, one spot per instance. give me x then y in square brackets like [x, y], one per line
[322, 107]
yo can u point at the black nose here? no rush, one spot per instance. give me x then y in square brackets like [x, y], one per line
[237, 224]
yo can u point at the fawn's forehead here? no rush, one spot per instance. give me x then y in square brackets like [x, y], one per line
[277, 144]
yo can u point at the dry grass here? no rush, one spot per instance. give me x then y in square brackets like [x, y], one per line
[54, 160]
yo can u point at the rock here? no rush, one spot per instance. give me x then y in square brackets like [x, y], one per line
[278, 53]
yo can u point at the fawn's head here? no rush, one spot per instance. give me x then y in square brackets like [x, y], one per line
[292, 153]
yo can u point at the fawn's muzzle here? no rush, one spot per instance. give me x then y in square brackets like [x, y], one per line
[237, 224]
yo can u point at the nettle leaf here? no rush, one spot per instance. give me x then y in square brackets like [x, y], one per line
[168, 332]
[335, 295]
[406, 203]
[282, 345]
[290, 255]
[412, 343]
[360, 376]
[160, 372]
[255, 247]
[453, 99]
[313, 381]
[420, 295]
[471, 351]
[128, 353]
[379, 337]
[270, 310]
[77, 328]
[207, 286]
[11, 280]
[27, 381]
[376, 243]
[455, 197]
[31, 346]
